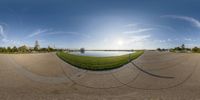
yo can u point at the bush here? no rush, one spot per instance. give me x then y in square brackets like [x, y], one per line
[195, 49]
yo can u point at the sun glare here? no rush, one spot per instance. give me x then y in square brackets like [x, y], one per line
[120, 42]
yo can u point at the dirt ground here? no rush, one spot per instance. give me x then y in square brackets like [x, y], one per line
[153, 76]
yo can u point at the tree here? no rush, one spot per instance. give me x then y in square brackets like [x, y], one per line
[1, 49]
[14, 49]
[4, 49]
[23, 49]
[49, 49]
[195, 49]
[44, 49]
[37, 46]
[188, 49]
[82, 50]
[177, 49]
[158, 49]
[183, 47]
[171, 50]
[9, 49]
[163, 49]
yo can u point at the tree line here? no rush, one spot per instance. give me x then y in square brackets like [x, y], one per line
[25, 49]
[181, 48]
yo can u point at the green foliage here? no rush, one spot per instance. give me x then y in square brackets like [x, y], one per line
[9, 49]
[3, 49]
[43, 49]
[36, 49]
[23, 49]
[49, 49]
[177, 49]
[196, 50]
[14, 49]
[98, 63]
[182, 48]
[158, 49]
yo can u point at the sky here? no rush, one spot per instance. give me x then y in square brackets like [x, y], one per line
[100, 24]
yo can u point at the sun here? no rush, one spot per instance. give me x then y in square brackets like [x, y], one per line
[120, 42]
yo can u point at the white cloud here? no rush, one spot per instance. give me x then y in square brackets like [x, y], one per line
[137, 28]
[38, 32]
[189, 39]
[192, 20]
[2, 33]
[11, 42]
[191, 45]
[162, 41]
[67, 33]
[138, 31]
[140, 38]
[132, 38]
[169, 40]
[130, 25]
[7, 41]
[49, 32]
[52, 33]
[136, 41]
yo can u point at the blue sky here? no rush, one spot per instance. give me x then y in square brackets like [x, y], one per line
[100, 24]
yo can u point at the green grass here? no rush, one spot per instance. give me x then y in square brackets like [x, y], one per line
[98, 63]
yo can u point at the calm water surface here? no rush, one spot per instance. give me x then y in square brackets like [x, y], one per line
[102, 53]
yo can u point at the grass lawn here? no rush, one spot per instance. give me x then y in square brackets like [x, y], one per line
[98, 63]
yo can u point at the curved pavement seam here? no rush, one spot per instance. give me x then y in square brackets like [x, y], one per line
[154, 75]
[173, 86]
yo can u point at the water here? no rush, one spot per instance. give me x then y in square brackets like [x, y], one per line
[102, 53]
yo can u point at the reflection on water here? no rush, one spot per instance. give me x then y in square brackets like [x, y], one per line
[102, 53]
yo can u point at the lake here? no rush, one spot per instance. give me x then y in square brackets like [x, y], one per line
[102, 53]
